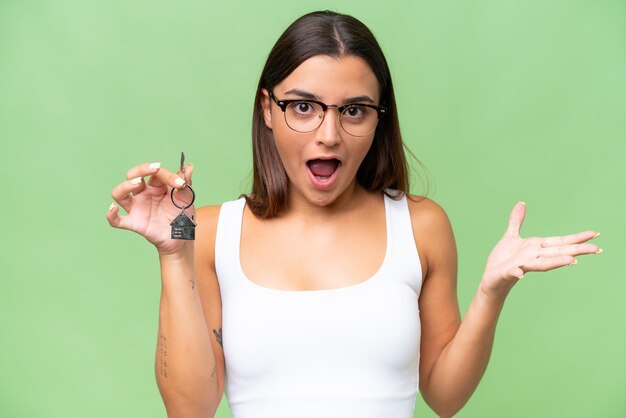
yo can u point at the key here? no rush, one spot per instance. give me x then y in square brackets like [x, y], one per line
[183, 226]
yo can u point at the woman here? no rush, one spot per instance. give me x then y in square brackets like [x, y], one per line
[336, 291]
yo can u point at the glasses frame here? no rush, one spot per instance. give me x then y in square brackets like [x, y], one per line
[380, 112]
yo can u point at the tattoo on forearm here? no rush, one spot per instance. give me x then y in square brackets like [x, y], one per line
[163, 355]
[193, 283]
[218, 335]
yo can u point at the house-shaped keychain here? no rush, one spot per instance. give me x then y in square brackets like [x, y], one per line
[183, 227]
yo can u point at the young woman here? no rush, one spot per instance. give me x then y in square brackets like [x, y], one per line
[335, 290]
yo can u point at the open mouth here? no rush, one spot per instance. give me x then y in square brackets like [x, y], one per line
[323, 170]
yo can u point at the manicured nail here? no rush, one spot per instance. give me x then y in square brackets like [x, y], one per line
[154, 166]
[113, 206]
[179, 182]
[599, 251]
[135, 181]
[573, 262]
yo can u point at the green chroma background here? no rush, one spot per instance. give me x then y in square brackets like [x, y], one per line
[502, 101]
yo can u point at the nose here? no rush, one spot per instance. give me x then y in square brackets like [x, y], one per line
[329, 132]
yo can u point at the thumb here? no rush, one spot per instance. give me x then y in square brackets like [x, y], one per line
[516, 219]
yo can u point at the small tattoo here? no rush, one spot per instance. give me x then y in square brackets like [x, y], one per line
[163, 355]
[193, 283]
[218, 335]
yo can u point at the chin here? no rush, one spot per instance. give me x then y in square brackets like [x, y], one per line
[323, 198]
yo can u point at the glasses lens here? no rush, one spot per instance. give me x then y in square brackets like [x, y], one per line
[359, 120]
[304, 116]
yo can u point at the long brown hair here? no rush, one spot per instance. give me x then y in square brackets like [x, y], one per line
[335, 35]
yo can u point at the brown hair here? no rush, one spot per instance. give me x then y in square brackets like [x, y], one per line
[334, 35]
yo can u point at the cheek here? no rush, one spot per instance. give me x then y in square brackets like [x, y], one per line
[362, 151]
[287, 148]
[279, 129]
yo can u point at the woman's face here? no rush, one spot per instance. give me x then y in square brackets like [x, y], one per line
[322, 164]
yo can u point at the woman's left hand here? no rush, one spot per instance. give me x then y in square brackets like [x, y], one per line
[513, 256]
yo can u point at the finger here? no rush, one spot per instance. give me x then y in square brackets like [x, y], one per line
[573, 250]
[187, 174]
[516, 272]
[115, 220]
[143, 170]
[166, 177]
[570, 239]
[122, 192]
[549, 263]
[516, 219]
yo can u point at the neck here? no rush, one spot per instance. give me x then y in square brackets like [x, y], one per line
[348, 200]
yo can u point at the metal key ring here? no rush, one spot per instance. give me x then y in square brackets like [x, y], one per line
[193, 198]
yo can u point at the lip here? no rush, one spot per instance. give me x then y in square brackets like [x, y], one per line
[330, 181]
[324, 157]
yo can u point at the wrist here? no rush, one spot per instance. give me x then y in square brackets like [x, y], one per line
[184, 254]
[177, 269]
[491, 295]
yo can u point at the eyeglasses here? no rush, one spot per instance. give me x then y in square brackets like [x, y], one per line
[357, 119]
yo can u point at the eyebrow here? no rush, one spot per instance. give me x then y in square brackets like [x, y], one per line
[311, 96]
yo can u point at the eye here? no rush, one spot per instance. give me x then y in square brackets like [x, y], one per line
[355, 111]
[302, 108]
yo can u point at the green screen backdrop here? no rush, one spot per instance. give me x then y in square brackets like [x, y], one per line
[502, 100]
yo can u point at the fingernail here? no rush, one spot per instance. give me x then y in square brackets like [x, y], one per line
[599, 251]
[135, 181]
[113, 206]
[179, 182]
[573, 262]
[154, 166]
[596, 235]
[523, 203]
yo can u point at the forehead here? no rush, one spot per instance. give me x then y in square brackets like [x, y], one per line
[333, 79]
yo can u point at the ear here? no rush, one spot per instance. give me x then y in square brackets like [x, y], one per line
[267, 109]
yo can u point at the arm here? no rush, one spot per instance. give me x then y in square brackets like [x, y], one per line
[189, 361]
[454, 354]
[185, 361]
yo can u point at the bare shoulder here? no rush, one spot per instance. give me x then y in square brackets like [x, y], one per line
[432, 231]
[208, 213]
[427, 215]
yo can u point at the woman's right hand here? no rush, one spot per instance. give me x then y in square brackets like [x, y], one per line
[148, 205]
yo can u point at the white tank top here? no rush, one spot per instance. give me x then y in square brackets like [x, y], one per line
[345, 352]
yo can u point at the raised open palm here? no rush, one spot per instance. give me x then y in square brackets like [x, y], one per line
[513, 256]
